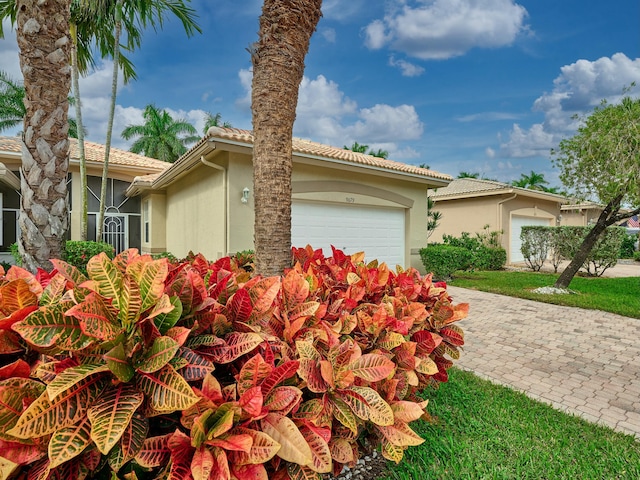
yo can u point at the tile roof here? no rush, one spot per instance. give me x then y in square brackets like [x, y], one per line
[474, 186]
[94, 152]
[307, 147]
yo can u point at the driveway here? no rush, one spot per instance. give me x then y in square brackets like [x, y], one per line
[585, 362]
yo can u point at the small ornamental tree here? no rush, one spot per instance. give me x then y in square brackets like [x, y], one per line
[603, 161]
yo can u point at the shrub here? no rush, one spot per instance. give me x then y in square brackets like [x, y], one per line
[15, 253]
[444, 260]
[168, 255]
[628, 246]
[535, 245]
[636, 256]
[202, 370]
[487, 254]
[78, 253]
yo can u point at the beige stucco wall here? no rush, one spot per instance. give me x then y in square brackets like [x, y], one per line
[472, 214]
[579, 218]
[203, 185]
[156, 209]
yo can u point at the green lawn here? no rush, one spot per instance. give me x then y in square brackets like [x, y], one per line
[485, 431]
[616, 295]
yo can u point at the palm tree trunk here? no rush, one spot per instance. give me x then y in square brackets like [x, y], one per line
[112, 109]
[607, 218]
[84, 203]
[286, 27]
[43, 39]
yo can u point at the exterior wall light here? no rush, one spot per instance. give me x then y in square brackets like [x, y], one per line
[245, 195]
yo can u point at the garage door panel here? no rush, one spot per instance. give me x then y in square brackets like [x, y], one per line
[379, 232]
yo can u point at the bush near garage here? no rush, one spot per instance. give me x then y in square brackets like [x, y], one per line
[561, 243]
[203, 370]
[444, 260]
[487, 254]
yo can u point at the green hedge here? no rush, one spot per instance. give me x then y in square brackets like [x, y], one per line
[76, 253]
[444, 260]
[485, 250]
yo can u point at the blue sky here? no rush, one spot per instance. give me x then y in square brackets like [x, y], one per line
[486, 86]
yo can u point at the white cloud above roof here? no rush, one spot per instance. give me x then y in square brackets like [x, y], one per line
[441, 29]
[579, 88]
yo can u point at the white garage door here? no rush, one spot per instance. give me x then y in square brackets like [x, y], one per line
[379, 232]
[516, 226]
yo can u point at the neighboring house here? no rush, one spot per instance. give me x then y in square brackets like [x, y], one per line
[580, 214]
[123, 215]
[468, 204]
[354, 201]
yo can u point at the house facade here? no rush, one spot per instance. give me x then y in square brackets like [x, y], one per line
[123, 215]
[469, 204]
[355, 202]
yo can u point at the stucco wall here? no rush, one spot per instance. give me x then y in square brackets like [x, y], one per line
[579, 218]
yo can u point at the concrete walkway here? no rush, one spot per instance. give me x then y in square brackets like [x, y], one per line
[584, 362]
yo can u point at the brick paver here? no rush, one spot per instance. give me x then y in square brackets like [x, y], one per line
[584, 362]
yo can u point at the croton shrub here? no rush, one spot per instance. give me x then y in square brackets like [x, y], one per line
[197, 370]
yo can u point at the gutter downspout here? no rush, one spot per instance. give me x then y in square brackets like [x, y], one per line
[500, 229]
[227, 233]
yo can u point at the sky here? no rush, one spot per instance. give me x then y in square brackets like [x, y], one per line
[486, 86]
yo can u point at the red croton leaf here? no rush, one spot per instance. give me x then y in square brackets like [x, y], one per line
[251, 401]
[239, 306]
[279, 375]
[19, 368]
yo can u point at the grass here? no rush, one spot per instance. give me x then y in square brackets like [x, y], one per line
[615, 295]
[486, 431]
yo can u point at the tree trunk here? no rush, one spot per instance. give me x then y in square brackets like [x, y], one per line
[286, 27]
[84, 203]
[112, 109]
[607, 217]
[43, 39]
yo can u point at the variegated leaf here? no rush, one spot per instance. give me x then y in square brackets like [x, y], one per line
[252, 472]
[380, 412]
[293, 446]
[20, 453]
[97, 319]
[130, 303]
[54, 291]
[278, 375]
[299, 472]
[372, 367]
[49, 327]
[150, 276]
[392, 452]
[69, 272]
[165, 320]
[236, 345]
[162, 350]
[130, 442]
[69, 442]
[154, 452]
[16, 295]
[263, 294]
[405, 411]
[44, 416]
[72, 375]
[202, 464]
[295, 289]
[105, 276]
[15, 394]
[400, 435]
[195, 367]
[252, 373]
[166, 390]
[426, 366]
[263, 448]
[118, 363]
[322, 462]
[252, 401]
[239, 306]
[343, 413]
[283, 399]
[111, 415]
[391, 340]
[341, 450]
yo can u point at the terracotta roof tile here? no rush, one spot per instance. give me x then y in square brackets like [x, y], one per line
[94, 152]
[307, 147]
[471, 186]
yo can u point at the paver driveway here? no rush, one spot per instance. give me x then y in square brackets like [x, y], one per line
[581, 361]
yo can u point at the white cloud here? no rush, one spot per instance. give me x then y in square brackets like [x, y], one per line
[490, 152]
[9, 52]
[326, 115]
[440, 29]
[341, 9]
[408, 69]
[329, 34]
[487, 117]
[577, 90]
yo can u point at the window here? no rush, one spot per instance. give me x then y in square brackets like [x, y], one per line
[145, 220]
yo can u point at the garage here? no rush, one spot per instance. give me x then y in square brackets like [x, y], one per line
[517, 223]
[378, 231]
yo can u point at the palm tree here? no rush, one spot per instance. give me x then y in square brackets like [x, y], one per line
[356, 147]
[12, 109]
[278, 56]
[464, 174]
[44, 60]
[143, 12]
[379, 153]
[433, 216]
[214, 121]
[160, 136]
[533, 181]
